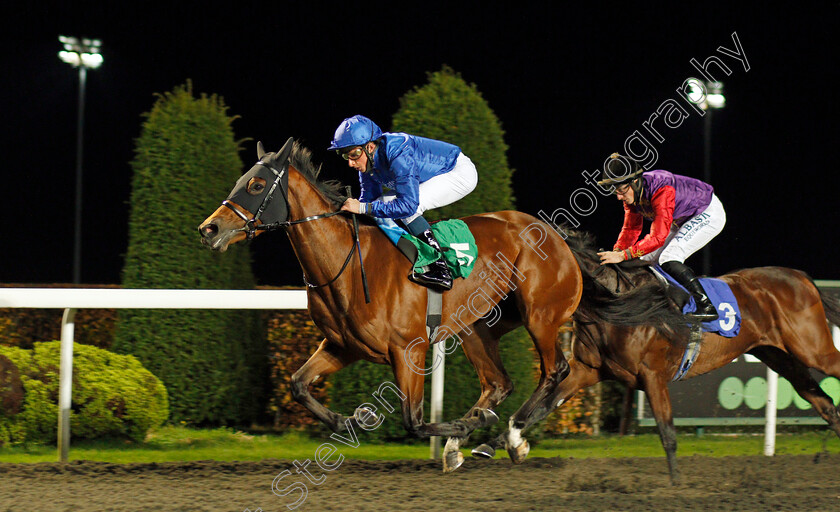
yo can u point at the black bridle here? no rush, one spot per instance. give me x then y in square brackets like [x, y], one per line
[251, 227]
[251, 224]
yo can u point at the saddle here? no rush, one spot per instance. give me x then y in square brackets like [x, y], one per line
[728, 323]
[456, 241]
[459, 252]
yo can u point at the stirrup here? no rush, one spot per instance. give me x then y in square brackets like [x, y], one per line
[703, 314]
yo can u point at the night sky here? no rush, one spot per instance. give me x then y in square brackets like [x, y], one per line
[569, 85]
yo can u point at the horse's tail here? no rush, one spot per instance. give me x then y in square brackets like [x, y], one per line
[831, 305]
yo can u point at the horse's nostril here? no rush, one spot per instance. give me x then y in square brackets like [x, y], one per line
[208, 230]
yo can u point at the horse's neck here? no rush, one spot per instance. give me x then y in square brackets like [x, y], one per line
[321, 245]
[621, 277]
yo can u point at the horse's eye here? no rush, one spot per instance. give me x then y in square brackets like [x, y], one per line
[256, 186]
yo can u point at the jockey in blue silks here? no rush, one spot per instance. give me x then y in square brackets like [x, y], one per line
[418, 173]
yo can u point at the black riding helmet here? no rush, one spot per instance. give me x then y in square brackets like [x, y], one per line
[619, 169]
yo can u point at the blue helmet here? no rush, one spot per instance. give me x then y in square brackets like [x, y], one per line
[355, 131]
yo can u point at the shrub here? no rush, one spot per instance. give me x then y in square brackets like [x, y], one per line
[113, 395]
[292, 338]
[212, 361]
[449, 109]
[21, 327]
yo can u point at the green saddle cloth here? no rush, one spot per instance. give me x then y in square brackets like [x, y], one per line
[457, 242]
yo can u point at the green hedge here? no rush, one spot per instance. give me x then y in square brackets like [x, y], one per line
[448, 108]
[212, 361]
[113, 395]
[290, 339]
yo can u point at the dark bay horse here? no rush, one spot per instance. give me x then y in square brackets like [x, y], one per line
[783, 323]
[525, 275]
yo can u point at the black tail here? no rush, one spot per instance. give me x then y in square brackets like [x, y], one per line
[831, 305]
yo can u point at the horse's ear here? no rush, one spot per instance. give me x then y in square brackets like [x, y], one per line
[260, 150]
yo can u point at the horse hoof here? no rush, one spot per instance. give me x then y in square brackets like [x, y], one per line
[484, 451]
[487, 417]
[367, 417]
[518, 454]
[452, 461]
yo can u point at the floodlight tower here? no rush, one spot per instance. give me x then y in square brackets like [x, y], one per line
[709, 97]
[83, 54]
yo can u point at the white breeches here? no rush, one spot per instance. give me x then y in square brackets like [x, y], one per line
[692, 236]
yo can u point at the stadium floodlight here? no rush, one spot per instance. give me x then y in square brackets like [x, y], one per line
[706, 95]
[709, 97]
[83, 54]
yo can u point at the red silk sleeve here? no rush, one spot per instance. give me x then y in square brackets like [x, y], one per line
[630, 231]
[662, 203]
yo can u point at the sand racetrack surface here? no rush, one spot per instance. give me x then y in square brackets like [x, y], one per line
[756, 483]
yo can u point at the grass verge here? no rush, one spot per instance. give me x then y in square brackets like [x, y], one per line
[174, 443]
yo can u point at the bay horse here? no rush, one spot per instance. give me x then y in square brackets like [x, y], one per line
[525, 275]
[783, 323]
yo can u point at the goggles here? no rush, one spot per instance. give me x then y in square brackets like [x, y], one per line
[351, 154]
[621, 190]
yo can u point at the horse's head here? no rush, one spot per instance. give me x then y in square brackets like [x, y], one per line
[259, 198]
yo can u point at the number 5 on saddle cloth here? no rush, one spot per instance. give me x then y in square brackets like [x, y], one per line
[459, 251]
[455, 238]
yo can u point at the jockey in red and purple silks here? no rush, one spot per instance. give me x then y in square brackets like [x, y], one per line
[684, 212]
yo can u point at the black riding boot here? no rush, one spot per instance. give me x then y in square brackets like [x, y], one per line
[705, 310]
[438, 276]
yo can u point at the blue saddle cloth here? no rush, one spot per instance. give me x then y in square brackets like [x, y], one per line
[728, 323]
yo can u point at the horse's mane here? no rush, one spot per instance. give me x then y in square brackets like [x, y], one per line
[301, 159]
[645, 304]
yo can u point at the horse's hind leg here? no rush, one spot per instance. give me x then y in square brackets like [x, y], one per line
[800, 378]
[580, 376]
[553, 369]
[409, 372]
[481, 347]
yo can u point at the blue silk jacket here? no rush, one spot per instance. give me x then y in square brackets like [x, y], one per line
[401, 163]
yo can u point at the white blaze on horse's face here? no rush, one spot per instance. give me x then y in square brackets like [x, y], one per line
[221, 229]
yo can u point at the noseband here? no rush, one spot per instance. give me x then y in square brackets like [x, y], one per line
[251, 227]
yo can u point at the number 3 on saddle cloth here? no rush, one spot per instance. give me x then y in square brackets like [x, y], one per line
[727, 325]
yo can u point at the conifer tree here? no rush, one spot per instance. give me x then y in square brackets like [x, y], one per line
[449, 109]
[211, 361]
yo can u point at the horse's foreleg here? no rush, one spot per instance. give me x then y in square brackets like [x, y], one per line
[328, 359]
[659, 398]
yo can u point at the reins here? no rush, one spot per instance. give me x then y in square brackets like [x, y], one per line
[620, 275]
[251, 227]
